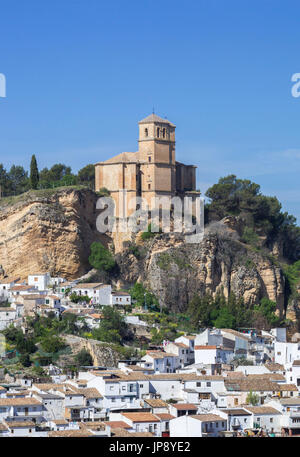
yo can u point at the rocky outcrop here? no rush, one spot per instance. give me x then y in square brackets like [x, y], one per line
[103, 354]
[52, 231]
[48, 231]
[175, 270]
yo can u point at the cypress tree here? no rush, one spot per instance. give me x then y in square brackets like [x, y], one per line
[34, 173]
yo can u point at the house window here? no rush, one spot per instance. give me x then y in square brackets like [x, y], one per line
[149, 159]
[208, 384]
[149, 186]
[146, 132]
[157, 131]
[164, 133]
[198, 384]
[271, 419]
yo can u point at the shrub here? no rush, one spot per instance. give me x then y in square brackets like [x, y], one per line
[25, 360]
[84, 358]
[101, 258]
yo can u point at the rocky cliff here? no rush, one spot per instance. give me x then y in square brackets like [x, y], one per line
[52, 231]
[47, 231]
[175, 270]
[103, 354]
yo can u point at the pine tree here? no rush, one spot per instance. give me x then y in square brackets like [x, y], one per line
[34, 173]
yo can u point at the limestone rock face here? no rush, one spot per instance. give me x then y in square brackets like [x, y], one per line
[50, 232]
[102, 354]
[175, 270]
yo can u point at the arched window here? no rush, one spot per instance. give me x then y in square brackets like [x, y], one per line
[158, 131]
[146, 132]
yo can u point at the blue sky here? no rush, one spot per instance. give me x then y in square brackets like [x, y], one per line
[81, 74]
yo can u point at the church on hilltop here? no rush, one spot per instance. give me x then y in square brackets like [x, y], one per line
[150, 172]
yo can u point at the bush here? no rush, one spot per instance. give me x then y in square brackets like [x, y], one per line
[145, 236]
[250, 237]
[25, 360]
[84, 358]
[112, 328]
[101, 258]
[143, 297]
[52, 344]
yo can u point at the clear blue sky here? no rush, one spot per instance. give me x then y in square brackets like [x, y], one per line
[82, 73]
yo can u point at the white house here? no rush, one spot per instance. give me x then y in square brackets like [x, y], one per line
[120, 298]
[7, 317]
[16, 291]
[238, 419]
[98, 293]
[213, 354]
[286, 353]
[28, 407]
[161, 362]
[53, 405]
[189, 341]
[5, 286]
[265, 417]
[181, 350]
[53, 301]
[40, 281]
[200, 425]
[139, 421]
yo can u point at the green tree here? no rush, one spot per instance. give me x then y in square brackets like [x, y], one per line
[225, 319]
[86, 176]
[101, 258]
[112, 328]
[199, 311]
[4, 181]
[264, 314]
[252, 398]
[233, 196]
[51, 344]
[34, 173]
[18, 178]
[83, 358]
[143, 297]
[25, 360]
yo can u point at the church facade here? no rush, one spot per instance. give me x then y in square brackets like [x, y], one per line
[150, 172]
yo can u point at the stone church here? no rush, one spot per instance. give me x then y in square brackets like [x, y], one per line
[150, 172]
